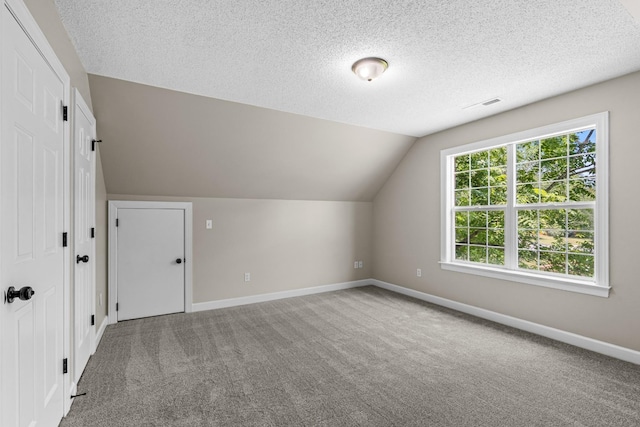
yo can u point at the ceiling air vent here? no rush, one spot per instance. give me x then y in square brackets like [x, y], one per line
[483, 103]
[491, 101]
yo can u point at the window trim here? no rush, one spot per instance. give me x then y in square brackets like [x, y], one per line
[599, 286]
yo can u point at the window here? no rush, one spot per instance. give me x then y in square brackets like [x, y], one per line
[530, 207]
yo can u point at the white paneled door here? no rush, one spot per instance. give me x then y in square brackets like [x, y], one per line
[84, 240]
[151, 262]
[31, 218]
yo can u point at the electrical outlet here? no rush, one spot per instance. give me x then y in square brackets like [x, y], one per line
[209, 224]
[355, 264]
[359, 264]
[247, 277]
[419, 272]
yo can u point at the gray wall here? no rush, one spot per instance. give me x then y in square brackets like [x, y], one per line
[46, 15]
[407, 221]
[284, 244]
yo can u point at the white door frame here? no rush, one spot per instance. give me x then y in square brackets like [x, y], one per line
[114, 205]
[80, 104]
[19, 10]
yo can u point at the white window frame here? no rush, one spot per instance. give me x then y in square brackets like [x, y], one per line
[599, 284]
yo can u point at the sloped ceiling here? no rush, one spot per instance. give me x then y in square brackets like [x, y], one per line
[296, 56]
[160, 142]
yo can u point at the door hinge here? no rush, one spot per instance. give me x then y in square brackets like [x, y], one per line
[93, 144]
[64, 240]
[117, 306]
[117, 222]
[64, 365]
[93, 232]
[93, 319]
[65, 114]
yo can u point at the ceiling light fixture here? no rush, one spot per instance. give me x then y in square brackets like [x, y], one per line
[369, 68]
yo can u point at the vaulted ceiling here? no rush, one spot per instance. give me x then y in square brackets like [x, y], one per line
[294, 57]
[160, 142]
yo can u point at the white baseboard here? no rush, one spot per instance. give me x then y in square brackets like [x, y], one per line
[101, 330]
[232, 302]
[602, 347]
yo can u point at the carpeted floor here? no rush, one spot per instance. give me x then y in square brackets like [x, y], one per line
[359, 357]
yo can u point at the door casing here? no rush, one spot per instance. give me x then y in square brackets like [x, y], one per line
[114, 205]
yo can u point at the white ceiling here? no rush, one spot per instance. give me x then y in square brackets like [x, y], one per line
[295, 55]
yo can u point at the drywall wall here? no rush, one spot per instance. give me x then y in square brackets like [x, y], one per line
[101, 242]
[406, 232]
[284, 244]
[46, 15]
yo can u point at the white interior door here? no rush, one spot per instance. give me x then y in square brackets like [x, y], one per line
[84, 242]
[31, 254]
[151, 273]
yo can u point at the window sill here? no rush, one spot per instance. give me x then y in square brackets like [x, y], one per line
[561, 283]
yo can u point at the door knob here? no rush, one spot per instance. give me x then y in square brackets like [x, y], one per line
[24, 294]
[179, 261]
[80, 259]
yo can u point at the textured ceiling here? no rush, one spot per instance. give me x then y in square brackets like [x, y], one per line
[296, 56]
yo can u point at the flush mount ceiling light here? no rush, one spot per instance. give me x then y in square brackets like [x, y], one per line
[369, 68]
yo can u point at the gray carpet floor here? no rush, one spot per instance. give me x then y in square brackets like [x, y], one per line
[358, 357]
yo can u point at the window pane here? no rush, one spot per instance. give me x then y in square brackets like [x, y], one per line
[496, 256]
[553, 219]
[462, 219]
[552, 240]
[582, 190]
[495, 219]
[528, 219]
[582, 142]
[528, 259]
[580, 219]
[480, 178]
[553, 262]
[480, 160]
[478, 219]
[581, 265]
[553, 170]
[479, 196]
[462, 163]
[528, 172]
[528, 239]
[582, 166]
[553, 147]
[462, 235]
[581, 241]
[498, 196]
[527, 193]
[478, 254]
[462, 252]
[495, 237]
[478, 236]
[498, 156]
[462, 180]
[527, 151]
[462, 198]
[497, 176]
[553, 191]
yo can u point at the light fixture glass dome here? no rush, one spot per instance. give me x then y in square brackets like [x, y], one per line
[369, 68]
